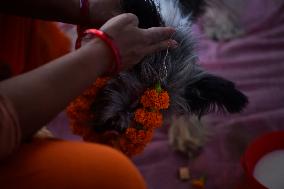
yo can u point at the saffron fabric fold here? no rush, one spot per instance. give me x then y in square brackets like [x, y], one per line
[28, 43]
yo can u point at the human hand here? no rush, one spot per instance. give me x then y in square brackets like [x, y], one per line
[135, 43]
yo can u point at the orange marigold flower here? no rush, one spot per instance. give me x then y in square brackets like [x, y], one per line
[155, 100]
[148, 119]
[198, 183]
[136, 136]
[164, 100]
[79, 109]
[148, 135]
[153, 120]
[91, 91]
[129, 148]
[101, 82]
[149, 98]
[145, 135]
[130, 133]
[80, 104]
[141, 135]
[140, 116]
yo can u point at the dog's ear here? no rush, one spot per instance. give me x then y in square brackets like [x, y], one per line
[193, 7]
[212, 93]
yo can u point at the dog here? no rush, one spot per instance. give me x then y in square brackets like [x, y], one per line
[193, 92]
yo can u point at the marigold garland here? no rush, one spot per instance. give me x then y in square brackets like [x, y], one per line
[140, 132]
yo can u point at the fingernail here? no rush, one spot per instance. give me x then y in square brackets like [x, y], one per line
[174, 44]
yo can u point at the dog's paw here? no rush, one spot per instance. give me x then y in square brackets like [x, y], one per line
[43, 133]
[187, 135]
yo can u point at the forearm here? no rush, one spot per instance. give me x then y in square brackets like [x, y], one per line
[56, 10]
[41, 94]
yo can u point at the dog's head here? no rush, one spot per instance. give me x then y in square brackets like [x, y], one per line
[192, 90]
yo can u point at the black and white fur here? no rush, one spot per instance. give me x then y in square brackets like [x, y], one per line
[192, 90]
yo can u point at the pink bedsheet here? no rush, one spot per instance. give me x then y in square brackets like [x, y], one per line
[255, 63]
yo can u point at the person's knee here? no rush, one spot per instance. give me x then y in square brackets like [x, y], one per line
[94, 166]
[119, 170]
[62, 165]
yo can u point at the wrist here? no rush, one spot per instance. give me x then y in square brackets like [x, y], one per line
[99, 56]
[115, 68]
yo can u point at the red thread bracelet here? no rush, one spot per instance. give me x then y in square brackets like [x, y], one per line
[84, 21]
[80, 35]
[104, 37]
[84, 12]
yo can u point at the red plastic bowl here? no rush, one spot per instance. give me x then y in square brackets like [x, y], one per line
[256, 150]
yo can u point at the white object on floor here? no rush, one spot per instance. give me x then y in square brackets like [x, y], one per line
[269, 170]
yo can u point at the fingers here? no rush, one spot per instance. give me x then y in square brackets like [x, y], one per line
[121, 25]
[157, 34]
[133, 42]
[127, 18]
[133, 19]
[158, 39]
[163, 45]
